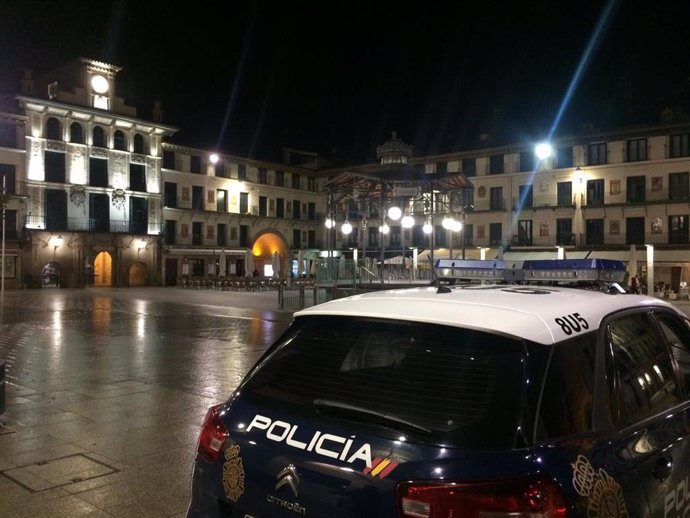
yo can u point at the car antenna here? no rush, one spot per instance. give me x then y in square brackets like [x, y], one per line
[437, 282]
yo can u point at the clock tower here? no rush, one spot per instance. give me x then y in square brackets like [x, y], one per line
[99, 79]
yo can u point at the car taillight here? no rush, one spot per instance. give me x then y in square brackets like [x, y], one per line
[525, 497]
[213, 435]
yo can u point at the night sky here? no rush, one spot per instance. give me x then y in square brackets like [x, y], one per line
[336, 78]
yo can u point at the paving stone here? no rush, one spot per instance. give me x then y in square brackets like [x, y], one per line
[123, 377]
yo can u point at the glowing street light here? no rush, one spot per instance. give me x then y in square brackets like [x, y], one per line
[330, 222]
[543, 150]
[394, 213]
[448, 222]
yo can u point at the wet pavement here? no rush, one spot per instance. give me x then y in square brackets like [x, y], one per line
[107, 388]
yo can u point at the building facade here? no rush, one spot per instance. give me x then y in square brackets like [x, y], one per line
[619, 195]
[229, 216]
[95, 195]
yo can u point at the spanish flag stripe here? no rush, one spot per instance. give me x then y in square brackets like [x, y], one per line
[391, 466]
[378, 469]
[373, 465]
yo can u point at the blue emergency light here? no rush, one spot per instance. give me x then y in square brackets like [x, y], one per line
[542, 270]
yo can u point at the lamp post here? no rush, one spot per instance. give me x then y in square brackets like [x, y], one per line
[407, 221]
[431, 232]
[462, 235]
[382, 216]
[2, 255]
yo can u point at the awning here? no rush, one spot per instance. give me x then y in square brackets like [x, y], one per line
[660, 256]
[203, 251]
[528, 256]
[470, 253]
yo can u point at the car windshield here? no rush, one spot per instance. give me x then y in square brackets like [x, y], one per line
[441, 382]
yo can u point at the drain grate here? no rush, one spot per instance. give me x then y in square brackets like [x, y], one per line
[63, 471]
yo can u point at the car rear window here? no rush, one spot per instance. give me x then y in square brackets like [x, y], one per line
[458, 384]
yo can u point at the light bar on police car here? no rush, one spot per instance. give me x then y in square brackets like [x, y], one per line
[485, 270]
[552, 270]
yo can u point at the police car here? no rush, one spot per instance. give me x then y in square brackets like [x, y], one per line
[535, 390]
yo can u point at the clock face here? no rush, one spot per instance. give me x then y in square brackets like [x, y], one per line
[99, 84]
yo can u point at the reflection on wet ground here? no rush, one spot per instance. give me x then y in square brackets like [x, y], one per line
[106, 390]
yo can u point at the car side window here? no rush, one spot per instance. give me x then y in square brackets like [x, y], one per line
[566, 402]
[677, 332]
[647, 381]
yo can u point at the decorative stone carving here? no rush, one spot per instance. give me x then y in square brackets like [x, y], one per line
[137, 159]
[56, 145]
[118, 198]
[77, 195]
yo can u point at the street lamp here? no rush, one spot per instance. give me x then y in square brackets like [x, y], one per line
[543, 150]
[428, 227]
[330, 222]
[448, 222]
[394, 213]
[407, 221]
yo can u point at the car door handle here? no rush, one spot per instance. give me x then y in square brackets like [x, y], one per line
[663, 467]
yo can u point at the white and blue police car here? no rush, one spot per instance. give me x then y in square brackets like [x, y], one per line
[538, 390]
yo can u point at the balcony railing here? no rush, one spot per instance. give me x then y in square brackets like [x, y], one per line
[34, 221]
[647, 196]
[545, 201]
[488, 204]
[585, 241]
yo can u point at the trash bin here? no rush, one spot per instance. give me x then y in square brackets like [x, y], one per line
[2, 387]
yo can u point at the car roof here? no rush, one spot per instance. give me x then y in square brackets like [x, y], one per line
[534, 313]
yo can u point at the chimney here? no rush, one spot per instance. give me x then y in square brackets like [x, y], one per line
[157, 111]
[27, 82]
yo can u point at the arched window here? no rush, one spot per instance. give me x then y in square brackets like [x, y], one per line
[98, 137]
[120, 141]
[76, 133]
[53, 129]
[139, 143]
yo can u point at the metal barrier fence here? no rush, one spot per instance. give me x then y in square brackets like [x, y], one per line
[301, 296]
[341, 271]
[230, 283]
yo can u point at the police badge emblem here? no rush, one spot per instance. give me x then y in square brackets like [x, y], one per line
[604, 494]
[233, 473]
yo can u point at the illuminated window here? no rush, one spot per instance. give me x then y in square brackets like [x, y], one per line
[120, 141]
[680, 145]
[596, 153]
[53, 129]
[138, 143]
[76, 133]
[496, 164]
[98, 137]
[636, 149]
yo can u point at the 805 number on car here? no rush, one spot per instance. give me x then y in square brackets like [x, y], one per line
[572, 323]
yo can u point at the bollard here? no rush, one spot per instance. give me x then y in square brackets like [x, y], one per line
[2, 388]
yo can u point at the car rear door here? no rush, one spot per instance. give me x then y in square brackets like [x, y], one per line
[651, 408]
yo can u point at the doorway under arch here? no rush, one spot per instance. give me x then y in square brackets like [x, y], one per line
[264, 247]
[103, 269]
[137, 274]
